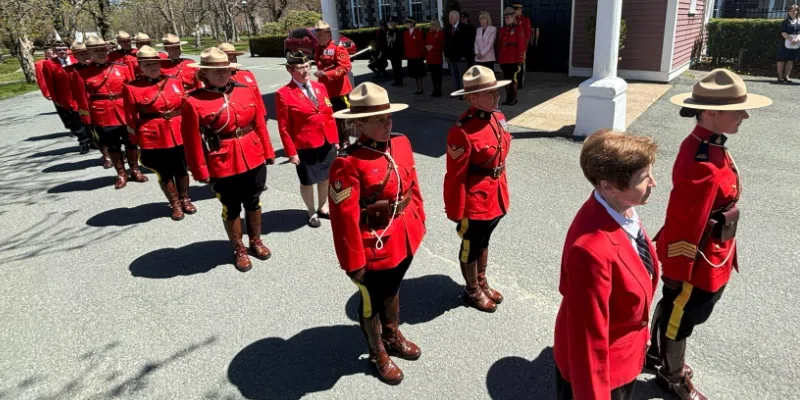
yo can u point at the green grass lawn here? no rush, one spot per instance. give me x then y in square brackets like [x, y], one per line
[10, 70]
[16, 89]
[208, 42]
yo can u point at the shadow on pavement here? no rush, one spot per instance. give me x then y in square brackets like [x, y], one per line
[512, 378]
[282, 221]
[56, 152]
[422, 299]
[311, 361]
[48, 136]
[73, 166]
[48, 113]
[196, 258]
[85, 186]
[124, 216]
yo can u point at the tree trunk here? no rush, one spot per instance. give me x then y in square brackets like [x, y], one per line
[103, 24]
[254, 31]
[172, 18]
[24, 52]
[198, 37]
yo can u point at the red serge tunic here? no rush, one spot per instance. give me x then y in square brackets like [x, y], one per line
[414, 44]
[247, 78]
[334, 61]
[225, 111]
[57, 80]
[303, 125]
[358, 174]
[477, 147]
[39, 67]
[512, 45]
[434, 55]
[152, 111]
[99, 94]
[180, 69]
[700, 184]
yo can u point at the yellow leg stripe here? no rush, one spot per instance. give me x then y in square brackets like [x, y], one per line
[346, 101]
[464, 227]
[464, 243]
[158, 176]
[224, 208]
[677, 311]
[519, 68]
[367, 311]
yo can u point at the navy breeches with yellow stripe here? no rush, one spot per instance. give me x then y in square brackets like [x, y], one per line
[379, 287]
[684, 307]
[475, 235]
[338, 104]
[240, 190]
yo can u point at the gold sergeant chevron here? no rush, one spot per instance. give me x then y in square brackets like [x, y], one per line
[682, 248]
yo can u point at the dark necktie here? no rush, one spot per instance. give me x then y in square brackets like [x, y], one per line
[644, 252]
[310, 95]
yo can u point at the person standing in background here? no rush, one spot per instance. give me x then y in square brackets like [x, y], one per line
[176, 65]
[789, 47]
[333, 65]
[414, 50]
[39, 67]
[394, 43]
[524, 23]
[458, 48]
[434, 44]
[470, 31]
[484, 41]
[511, 54]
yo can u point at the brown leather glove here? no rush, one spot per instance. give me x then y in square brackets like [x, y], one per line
[357, 275]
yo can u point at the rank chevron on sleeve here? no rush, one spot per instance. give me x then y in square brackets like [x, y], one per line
[339, 196]
[454, 151]
[682, 248]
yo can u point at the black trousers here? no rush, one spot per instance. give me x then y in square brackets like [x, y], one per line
[564, 389]
[379, 286]
[436, 75]
[168, 164]
[487, 64]
[240, 190]
[397, 69]
[338, 104]
[475, 235]
[72, 121]
[511, 72]
[684, 307]
[114, 137]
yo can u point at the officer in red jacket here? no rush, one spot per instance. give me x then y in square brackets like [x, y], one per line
[227, 145]
[57, 74]
[414, 51]
[125, 54]
[308, 133]
[434, 46]
[176, 65]
[242, 76]
[152, 112]
[378, 222]
[524, 23]
[333, 65]
[475, 185]
[84, 60]
[39, 68]
[609, 274]
[697, 244]
[140, 40]
[511, 54]
[99, 97]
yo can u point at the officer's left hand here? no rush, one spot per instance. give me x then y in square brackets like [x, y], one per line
[269, 161]
[319, 74]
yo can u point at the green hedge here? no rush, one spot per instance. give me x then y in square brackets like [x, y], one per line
[272, 45]
[760, 37]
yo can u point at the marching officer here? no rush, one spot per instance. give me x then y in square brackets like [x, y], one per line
[378, 221]
[125, 53]
[99, 98]
[227, 145]
[333, 65]
[84, 58]
[414, 51]
[697, 244]
[242, 76]
[475, 185]
[140, 40]
[176, 65]
[511, 55]
[152, 112]
[57, 74]
[39, 69]
[308, 133]
[525, 23]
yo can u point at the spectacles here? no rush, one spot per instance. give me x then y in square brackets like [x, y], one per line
[301, 67]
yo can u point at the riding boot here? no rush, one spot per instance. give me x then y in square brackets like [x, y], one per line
[653, 356]
[168, 187]
[483, 262]
[106, 158]
[133, 162]
[388, 371]
[671, 376]
[475, 296]
[122, 176]
[182, 184]
[393, 340]
[254, 234]
[234, 230]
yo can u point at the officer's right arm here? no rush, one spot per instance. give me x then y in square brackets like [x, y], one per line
[689, 207]
[455, 179]
[344, 192]
[284, 124]
[131, 113]
[192, 142]
[79, 94]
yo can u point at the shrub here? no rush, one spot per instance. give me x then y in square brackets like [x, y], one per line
[591, 28]
[761, 38]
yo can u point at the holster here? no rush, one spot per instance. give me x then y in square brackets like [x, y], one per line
[377, 214]
[211, 140]
[725, 222]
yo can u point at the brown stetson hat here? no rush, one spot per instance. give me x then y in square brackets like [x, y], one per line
[368, 99]
[141, 37]
[229, 49]
[77, 47]
[322, 26]
[721, 90]
[479, 79]
[170, 40]
[95, 42]
[213, 58]
[147, 53]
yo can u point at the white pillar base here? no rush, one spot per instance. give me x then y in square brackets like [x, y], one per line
[601, 105]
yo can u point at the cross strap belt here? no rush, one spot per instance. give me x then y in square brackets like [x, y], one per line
[495, 172]
[105, 96]
[166, 115]
[239, 132]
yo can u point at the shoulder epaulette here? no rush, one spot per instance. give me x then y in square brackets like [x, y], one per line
[345, 151]
[464, 120]
[237, 84]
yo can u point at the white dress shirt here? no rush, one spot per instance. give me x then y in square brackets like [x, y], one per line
[630, 225]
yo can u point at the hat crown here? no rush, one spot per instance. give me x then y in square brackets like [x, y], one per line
[147, 52]
[509, 11]
[297, 57]
[142, 37]
[226, 47]
[478, 77]
[78, 46]
[321, 25]
[122, 35]
[95, 41]
[720, 84]
[213, 56]
[368, 94]
[170, 39]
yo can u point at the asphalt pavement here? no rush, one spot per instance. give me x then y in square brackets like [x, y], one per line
[103, 296]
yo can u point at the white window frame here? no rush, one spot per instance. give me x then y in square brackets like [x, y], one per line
[411, 4]
[693, 7]
[381, 5]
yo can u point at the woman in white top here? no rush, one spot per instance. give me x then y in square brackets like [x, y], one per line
[484, 41]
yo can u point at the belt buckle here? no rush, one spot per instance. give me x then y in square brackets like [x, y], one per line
[496, 172]
[238, 132]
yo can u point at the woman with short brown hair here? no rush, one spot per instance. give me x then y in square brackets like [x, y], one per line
[609, 273]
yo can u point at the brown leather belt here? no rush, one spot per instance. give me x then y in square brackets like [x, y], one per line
[382, 213]
[165, 115]
[239, 132]
[105, 96]
[493, 172]
[401, 205]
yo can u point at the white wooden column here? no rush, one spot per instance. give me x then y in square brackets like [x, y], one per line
[602, 101]
[329, 15]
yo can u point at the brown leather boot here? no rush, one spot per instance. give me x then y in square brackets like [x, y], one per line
[122, 176]
[258, 248]
[241, 259]
[182, 184]
[168, 187]
[483, 262]
[105, 158]
[133, 162]
[475, 295]
[388, 371]
[653, 356]
[393, 340]
[671, 376]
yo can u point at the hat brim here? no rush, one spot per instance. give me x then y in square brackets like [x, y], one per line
[347, 114]
[753, 101]
[235, 53]
[499, 84]
[171, 44]
[229, 66]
